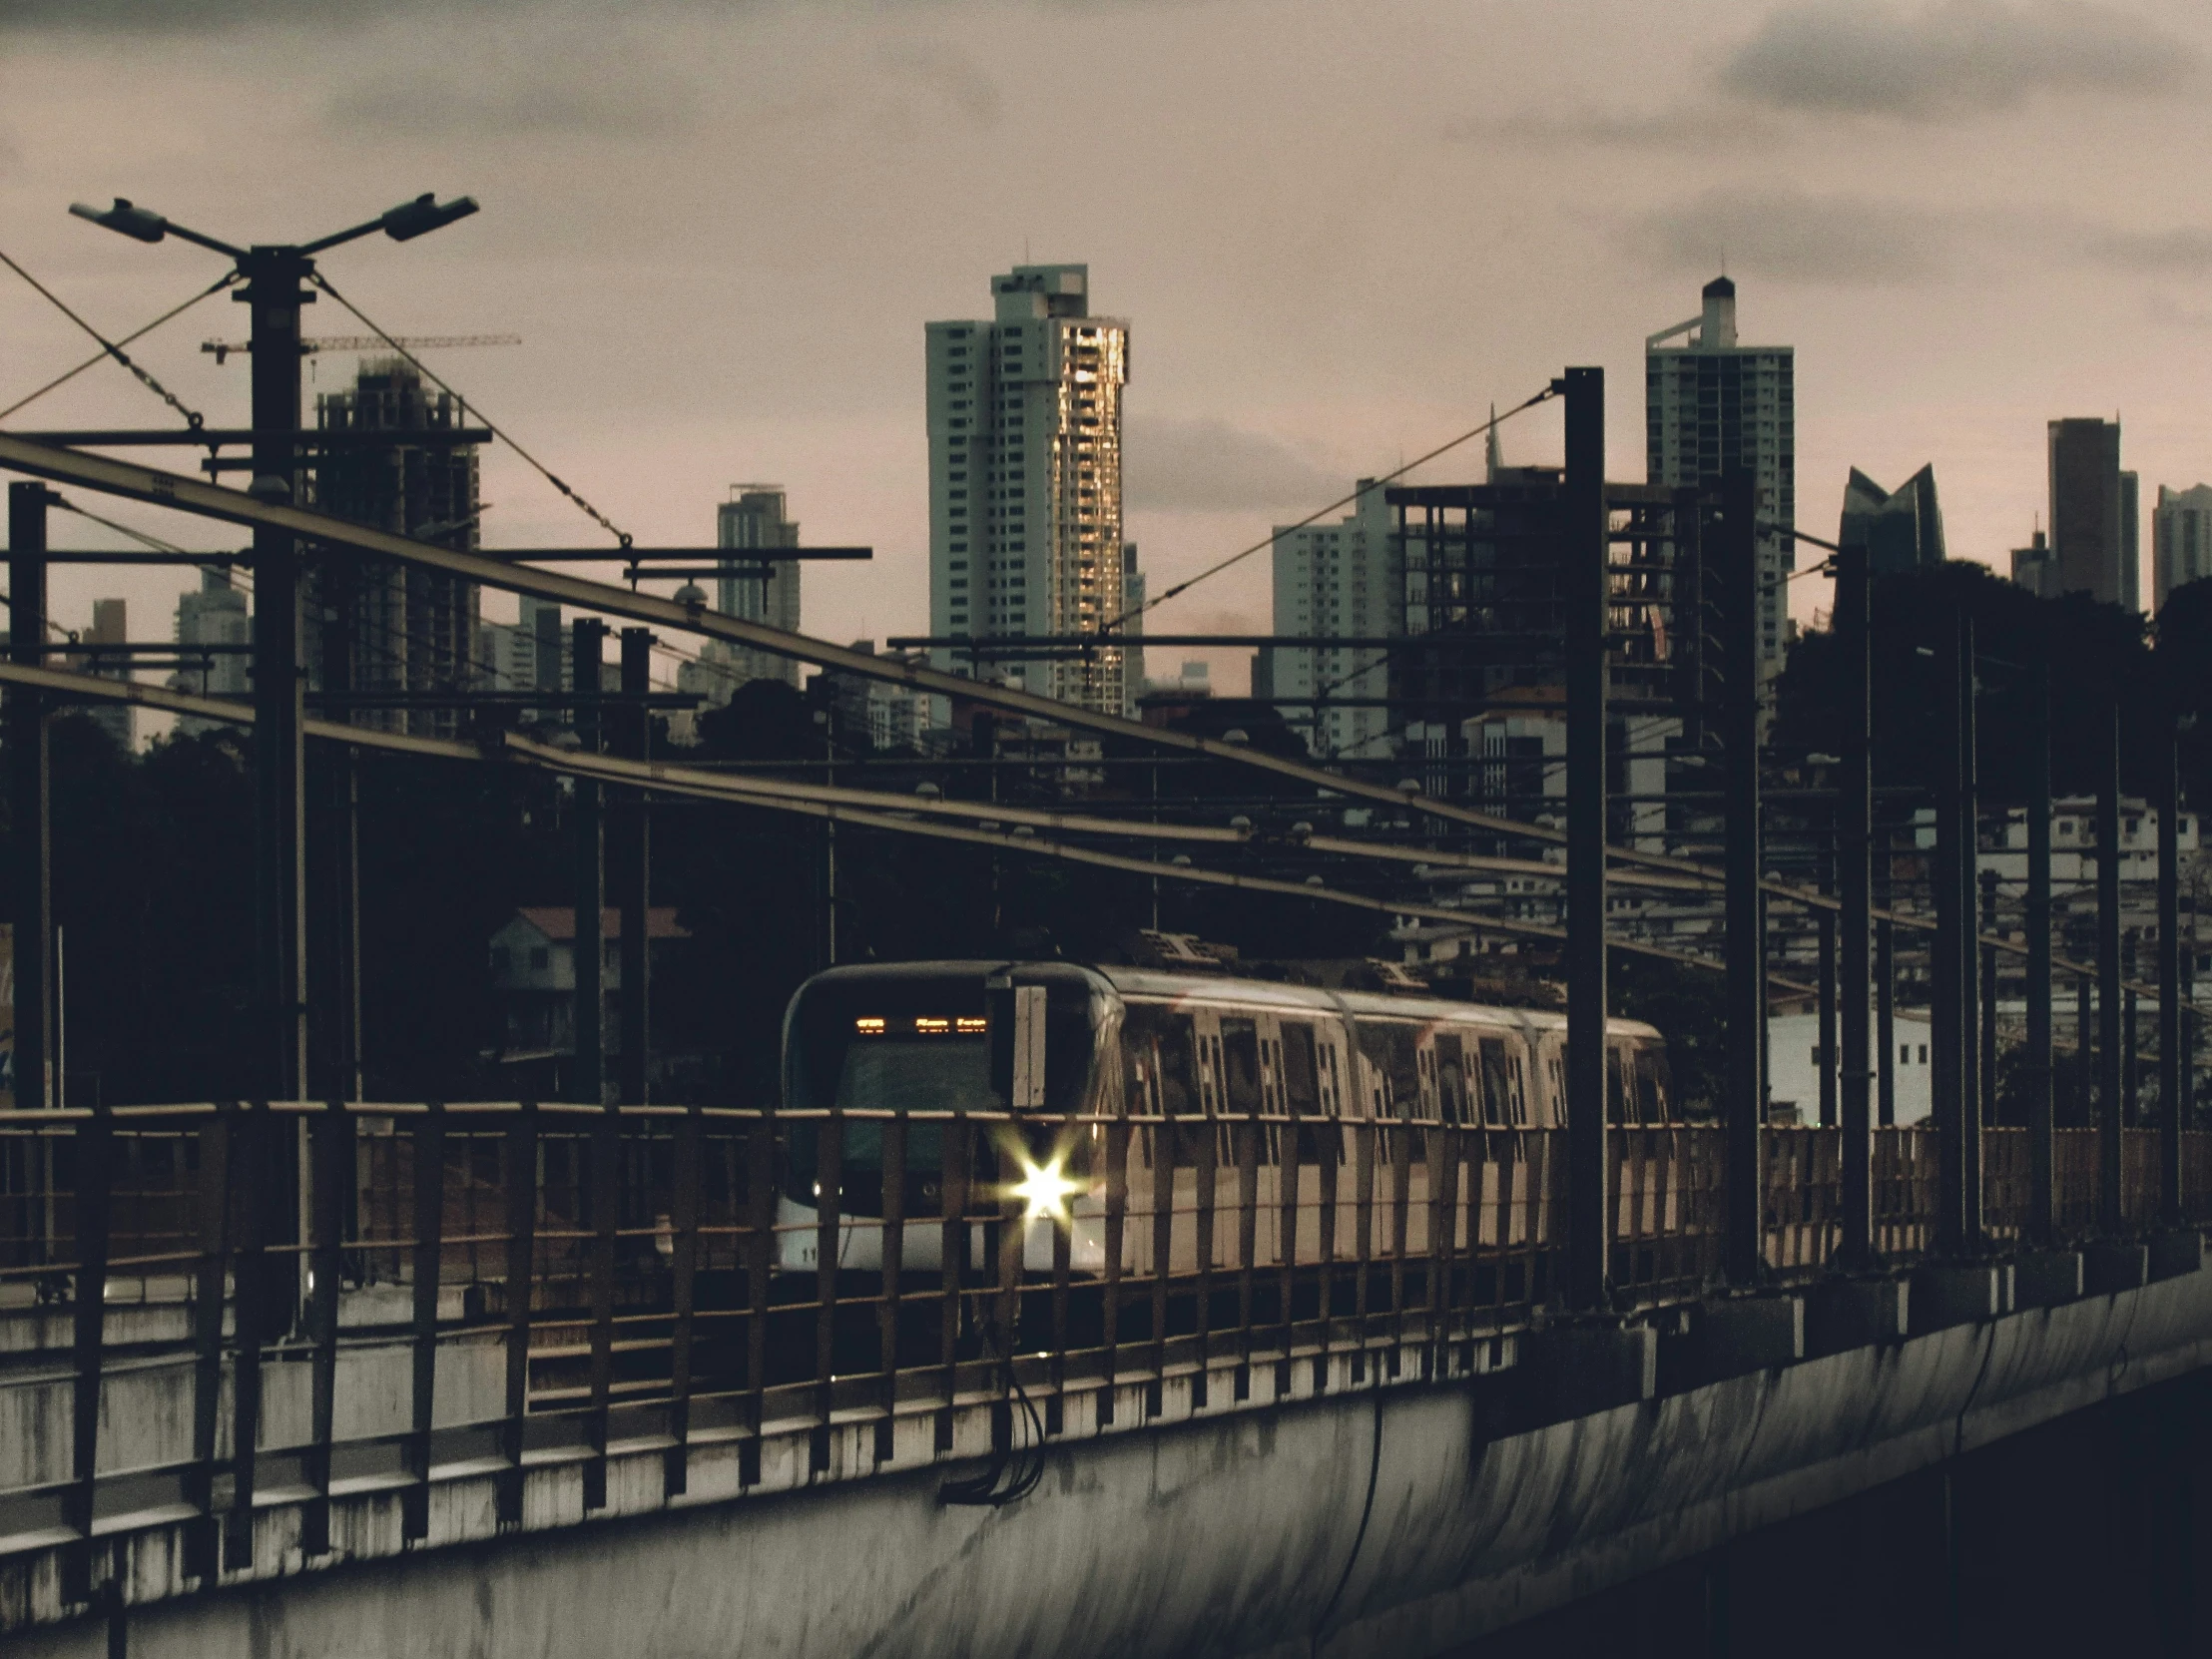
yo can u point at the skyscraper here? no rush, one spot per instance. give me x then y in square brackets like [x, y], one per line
[1025, 514]
[1711, 404]
[215, 615]
[1902, 529]
[1337, 579]
[2094, 535]
[758, 591]
[111, 625]
[413, 631]
[2181, 540]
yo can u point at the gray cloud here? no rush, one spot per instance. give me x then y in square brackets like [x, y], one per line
[1208, 465]
[1843, 241]
[565, 83]
[2186, 252]
[1948, 58]
[956, 78]
[1683, 127]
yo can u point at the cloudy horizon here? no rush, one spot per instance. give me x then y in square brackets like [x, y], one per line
[1339, 235]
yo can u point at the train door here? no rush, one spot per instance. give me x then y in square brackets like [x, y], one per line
[1307, 1138]
[1238, 1151]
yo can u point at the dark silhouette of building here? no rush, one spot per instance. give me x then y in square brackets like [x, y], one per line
[2093, 538]
[412, 631]
[1902, 529]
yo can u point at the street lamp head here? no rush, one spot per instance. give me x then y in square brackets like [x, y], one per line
[424, 215]
[140, 223]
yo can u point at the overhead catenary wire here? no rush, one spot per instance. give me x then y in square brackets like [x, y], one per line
[622, 537]
[1188, 583]
[114, 348]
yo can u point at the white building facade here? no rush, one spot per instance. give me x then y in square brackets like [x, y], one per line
[1025, 489]
[2181, 540]
[214, 615]
[1336, 580]
[1711, 404]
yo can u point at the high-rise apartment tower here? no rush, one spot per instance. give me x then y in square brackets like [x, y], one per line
[2181, 540]
[1025, 523]
[1711, 404]
[2093, 536]
[1337, 579]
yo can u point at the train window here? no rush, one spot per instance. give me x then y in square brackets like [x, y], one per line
[1498, 1105]
[1653, 1083]
[1616, 1092]
[1452, 1080]
[1239, 1050]
[1556, 1070]
[1301, 1077]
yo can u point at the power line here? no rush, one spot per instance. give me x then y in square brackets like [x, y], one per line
[114, 348]
[622, 537]
[1185, 586]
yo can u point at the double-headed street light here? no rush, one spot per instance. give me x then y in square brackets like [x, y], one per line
[275, 277]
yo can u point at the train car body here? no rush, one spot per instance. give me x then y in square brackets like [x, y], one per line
[1254, 1088]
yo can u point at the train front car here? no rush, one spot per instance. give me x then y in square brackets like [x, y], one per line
[977, 1083]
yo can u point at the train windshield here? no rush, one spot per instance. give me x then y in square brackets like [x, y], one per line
[912, 1042]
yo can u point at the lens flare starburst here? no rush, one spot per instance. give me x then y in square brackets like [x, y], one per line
[1045, 1191]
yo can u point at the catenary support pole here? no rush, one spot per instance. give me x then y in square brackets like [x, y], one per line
[2036, 1073]
[275, 289]
[29, 803]
[588, 953]
[1987, 1069]
[2110, 1060]
[1823, 926]
[632, 859]
[1854, 884]
[334, 980]
[1970, 957]
[2109, 1057]
[1949, 1077]
[1587, 554]
[1736, 547]
[2171, 1040]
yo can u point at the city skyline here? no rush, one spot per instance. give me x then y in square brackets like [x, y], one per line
[1933, 305]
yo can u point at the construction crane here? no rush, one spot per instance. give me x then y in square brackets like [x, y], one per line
[367, 343]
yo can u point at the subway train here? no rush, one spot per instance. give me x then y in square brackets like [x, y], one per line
[1053, 1050]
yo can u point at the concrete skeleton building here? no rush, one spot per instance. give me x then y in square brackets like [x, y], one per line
[1026, 487]
[2094, 544]
[2181, 540]
[1336, 579]
[1711, 404]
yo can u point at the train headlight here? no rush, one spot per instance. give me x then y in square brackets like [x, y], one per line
[1045, 1191]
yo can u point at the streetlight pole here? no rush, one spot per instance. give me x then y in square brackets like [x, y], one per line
[276, 279]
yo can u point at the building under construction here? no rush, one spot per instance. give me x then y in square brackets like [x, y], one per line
[386, 631]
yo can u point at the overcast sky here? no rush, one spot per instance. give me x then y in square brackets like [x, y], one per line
[1338, 231]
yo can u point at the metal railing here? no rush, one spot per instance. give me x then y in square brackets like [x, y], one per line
[356, 1294]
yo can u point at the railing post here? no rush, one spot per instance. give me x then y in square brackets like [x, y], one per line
[2042, 1215]
[2110, 1219]
[1737, 559]
[1988, 1069]
[429, 1233]
[95, 1145]
[1970, 1100]
[29, 804]
[331, 1155]
[1587, 581]
[1853, 882]
[2169, 979]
